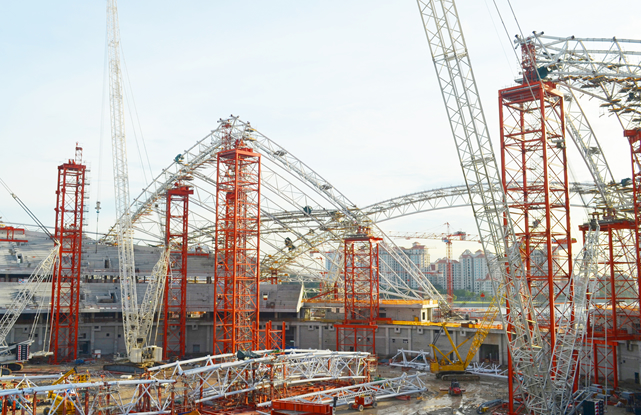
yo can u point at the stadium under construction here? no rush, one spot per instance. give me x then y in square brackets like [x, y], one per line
[242, 281]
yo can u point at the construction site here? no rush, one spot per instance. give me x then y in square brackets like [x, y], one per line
[241, 281]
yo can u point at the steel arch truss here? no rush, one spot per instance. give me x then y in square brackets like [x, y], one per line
[291, 244]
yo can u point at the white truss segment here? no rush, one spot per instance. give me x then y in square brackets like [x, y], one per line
[381, 389]
[153, 295]
[43, 271]
[469, 129]
[215, 377]
[602, 69]
[124, 231]
[613, 198]
[120, 403]
[418, 360]
[571, 333]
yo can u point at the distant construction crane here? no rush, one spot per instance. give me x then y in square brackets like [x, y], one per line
[446, 237]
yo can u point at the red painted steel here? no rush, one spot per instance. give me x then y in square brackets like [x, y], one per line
[236, 276]
[362, 303]
[535, 180]
[174, 315]
[8, 234]
[65, 287]
[634, 138]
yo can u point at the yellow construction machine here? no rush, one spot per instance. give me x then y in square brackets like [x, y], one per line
[452, 365]
[58, 405]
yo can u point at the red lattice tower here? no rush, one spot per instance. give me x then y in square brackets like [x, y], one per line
[175, 295]
[614, 316]
[634, 137]
[535, 180]
[361, 275]
[65, 287]
[236, 276]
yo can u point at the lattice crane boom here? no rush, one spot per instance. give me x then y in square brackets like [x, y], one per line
[482, 176]
[130, 315]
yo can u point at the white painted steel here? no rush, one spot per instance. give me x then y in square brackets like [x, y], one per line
[123, 228]
[608, 69]
[482, 177]
[25, 296]
[381, 389]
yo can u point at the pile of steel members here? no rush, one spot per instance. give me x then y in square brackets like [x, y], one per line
[223, 376]
[220, 380]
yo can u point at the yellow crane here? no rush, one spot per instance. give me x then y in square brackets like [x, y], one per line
[59, 405]
[447, 368]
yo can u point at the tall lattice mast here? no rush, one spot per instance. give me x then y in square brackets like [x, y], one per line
[237, 273]
[482, 177]
[65, 283]
[121, 186]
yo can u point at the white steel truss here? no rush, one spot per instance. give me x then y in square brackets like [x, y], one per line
[482, 177]
[381, 389]
[26, 295]
[418, 360]
[130, 401]
[324, 216]
[123, 227]
[605, 69]
[215, 377]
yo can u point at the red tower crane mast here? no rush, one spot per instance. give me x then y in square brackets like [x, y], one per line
[65, 287]
[237, 244]
[175, 293]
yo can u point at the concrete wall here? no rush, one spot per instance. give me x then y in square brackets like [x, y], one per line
[389, 338]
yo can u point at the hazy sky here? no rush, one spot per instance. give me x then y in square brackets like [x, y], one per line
[346, 86]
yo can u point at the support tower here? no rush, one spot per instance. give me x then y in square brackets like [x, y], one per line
[175, 296]
[237, 273]
[535, 180]
[358, 331]
[65, 287]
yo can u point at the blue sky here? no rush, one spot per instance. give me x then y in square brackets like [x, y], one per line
[347, 86]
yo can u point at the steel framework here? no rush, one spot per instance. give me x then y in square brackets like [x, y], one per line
[362, 303]
[175, 293]
[321, 216]
[382, 389]
[237, 238]
[480, 170]
[268, 375]
[123, 228]
[634, 138]
[532, 157]
[65, 286]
